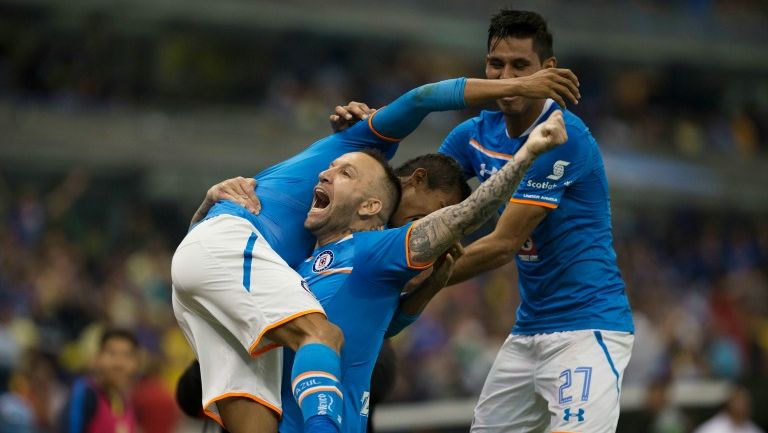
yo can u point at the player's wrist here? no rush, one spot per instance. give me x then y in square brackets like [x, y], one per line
[525, 154]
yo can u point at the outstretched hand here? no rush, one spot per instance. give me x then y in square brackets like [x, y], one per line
[348, 115]
[562, 85]
[547, 135]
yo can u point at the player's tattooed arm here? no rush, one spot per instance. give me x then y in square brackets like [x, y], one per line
[434, 234]
[239, 190]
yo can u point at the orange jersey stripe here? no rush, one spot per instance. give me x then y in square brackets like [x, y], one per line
[479, 147]
[336, 271]
[533, 202]
[408, 253]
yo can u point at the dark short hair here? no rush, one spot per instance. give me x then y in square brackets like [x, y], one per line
[119, 334]
[391, 183]
[443, 173]
[522, 25]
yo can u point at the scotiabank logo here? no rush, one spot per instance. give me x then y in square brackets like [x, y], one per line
[528, 252]
[540, 185]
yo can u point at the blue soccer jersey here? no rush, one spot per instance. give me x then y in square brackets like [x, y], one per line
[285, 189]
[568, 276]
[358, 281]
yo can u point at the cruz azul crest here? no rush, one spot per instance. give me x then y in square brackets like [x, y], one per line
[323, 261]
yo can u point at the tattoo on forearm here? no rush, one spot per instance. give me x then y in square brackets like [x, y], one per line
[434, 234]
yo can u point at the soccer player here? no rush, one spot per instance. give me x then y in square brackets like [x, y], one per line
[235, 295]
[561, 367]
[358, 272]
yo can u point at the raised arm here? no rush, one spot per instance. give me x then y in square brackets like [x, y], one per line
[435, 233]
[405, 113]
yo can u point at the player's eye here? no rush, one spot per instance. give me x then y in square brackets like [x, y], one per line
[520, 65]
[346, 173]
[496, 64]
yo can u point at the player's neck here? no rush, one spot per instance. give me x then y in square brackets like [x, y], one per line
[518, 123]
[360, 226]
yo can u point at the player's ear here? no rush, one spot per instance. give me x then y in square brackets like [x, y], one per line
[370, 207]
[418, 176]
[550, 62]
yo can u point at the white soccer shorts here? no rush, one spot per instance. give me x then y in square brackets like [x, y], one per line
[229, 289]
[558, 382]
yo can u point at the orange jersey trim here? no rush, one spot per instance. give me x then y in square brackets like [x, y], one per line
[412, 265]
[535, 203]
[212, 415]
[319, 389]
[256, 352]
[383, 137]
[474, 143]
[336, 271]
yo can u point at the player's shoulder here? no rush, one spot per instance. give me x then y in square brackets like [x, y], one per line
[486, 119]
[376, 236]
[575, 127]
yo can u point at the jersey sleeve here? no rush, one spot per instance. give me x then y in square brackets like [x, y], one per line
[456, 145]
[362, 136]
[552, 173]
[383, 256]
[403, 116]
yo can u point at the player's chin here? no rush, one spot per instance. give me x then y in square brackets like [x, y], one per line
[514, 105]
[315, 220]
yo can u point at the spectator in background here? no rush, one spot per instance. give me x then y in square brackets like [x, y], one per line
[100, 403]
[34, 398]
[734, 418]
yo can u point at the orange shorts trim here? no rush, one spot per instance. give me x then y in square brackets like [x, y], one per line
[256, 352]
[258, 400]
[535, 203]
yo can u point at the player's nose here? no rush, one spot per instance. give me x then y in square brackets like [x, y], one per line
[325, 176]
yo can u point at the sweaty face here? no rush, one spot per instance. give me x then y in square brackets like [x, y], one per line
[509, 58]
[117, 362]
[416, 203]
[341, 191]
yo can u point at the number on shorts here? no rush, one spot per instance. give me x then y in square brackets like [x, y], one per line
[568, 381]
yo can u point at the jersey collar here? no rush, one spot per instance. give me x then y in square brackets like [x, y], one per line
[547, 106]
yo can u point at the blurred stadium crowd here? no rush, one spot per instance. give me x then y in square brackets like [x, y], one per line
[80, 250]
[677, 107]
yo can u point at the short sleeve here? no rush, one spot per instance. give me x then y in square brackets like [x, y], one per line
[552, 173]
[383, 255]
[456, 145]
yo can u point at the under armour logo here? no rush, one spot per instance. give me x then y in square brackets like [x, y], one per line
[579, 415]
[485, 172]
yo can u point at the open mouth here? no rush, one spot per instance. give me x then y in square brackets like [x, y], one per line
[320, 200]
